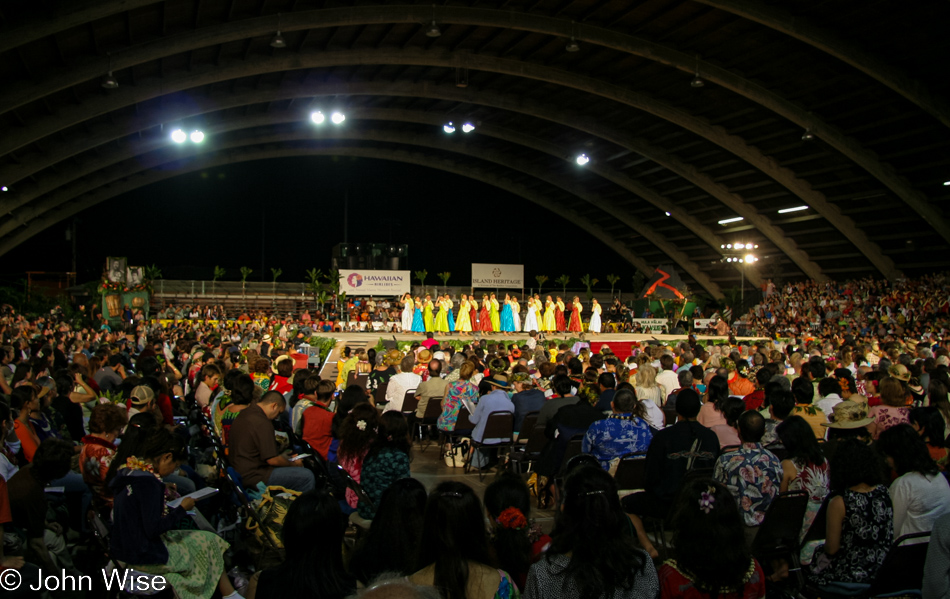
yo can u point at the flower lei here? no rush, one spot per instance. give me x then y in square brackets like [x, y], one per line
[512, 518]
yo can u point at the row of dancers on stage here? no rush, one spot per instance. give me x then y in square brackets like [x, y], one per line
[426, 316]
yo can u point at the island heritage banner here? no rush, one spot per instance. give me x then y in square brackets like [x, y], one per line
[374, 282]
[498, 276]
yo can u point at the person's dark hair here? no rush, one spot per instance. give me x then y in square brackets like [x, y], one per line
[272, 397]
[312, 535]
[751, 426]
[435, 368]
[593, 529]
[242, 390]
[799, 440]
[907, 449]
[52, 459]
[803, 390]
[65, 383]
[717, 391]
[392, 542]
[562, 385]
[107, 418]
[349, 399]
[356, 439]
[710, 545]
[597, 361]
[687, 403]
[816, 367]
[827, 386]
[782, 402]
[854, 462]
[510, 543]
[932, 425]
[732, 408]
[575, 366]
[763, 376]
[607, 380]
[625, 400]
[321, 388]
[159, 442]
[393, 432]
[453, 534]
[140, 427]
[285, 368]
[21, 396]
[666, 362]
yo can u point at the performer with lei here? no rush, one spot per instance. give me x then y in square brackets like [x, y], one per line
[464, 323]
[427, 318]
[516, 313]
[595, 311]
[484, 317]
[418, 324]
[473, 312]
[575, 325]
[494, 314]
[531, 318]
[408, 309]
[559, 323]
[507, 320]
[441, 323]
[449, 305]
[549, 324]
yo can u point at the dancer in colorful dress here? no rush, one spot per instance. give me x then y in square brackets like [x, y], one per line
[449, 305]
[418, 324]
[595, 311]
[441, 323]
[464, 323]
[549, 324]
[507, 320]
[408, 308]
[473, 312]
[484, 317]
[516, 313]
[575, 325]
[559, 322]
[493, 313]
[427, 318]
[531, 318]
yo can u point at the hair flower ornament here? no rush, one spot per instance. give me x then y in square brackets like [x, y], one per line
[361, 424]
[512, 518]
[707, 499]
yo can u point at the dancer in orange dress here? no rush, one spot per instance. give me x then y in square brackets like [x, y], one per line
[559, 323]
[484, 317]
[575, 325]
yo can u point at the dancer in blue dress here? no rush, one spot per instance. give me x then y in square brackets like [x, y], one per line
[507, 324]
[450, 305]
[418, 324]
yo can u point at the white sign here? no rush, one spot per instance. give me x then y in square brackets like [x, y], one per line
[703, 323]
[498, 276]
[374, 282]
[652, 325]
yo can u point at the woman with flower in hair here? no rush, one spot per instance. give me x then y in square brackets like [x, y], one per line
[710, 555]
[358, 432]
[515, 541]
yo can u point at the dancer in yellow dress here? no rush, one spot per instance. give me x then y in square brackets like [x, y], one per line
[463, 324]
[548, 324]
[493, 314]
[441, 323]
[427, 318]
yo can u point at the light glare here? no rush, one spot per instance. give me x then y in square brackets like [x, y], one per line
[197, 136]
[749, 258]
[337, 118]
[468, 128]
[317, 117]
[178, 136]
[583, 159]
[795, 209]
[726, 221]
[448, 127]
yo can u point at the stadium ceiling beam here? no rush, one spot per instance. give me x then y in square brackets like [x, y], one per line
[256, 153]
[229, 32]
[72, 172]
[17, 95]
[774, 17]
[505, 159]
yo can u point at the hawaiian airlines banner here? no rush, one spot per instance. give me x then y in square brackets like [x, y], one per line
[374, 282]
[498, 276]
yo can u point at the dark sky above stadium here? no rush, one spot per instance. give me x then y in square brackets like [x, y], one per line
[291, 210]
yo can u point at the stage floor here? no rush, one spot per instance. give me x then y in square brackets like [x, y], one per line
[516, 337]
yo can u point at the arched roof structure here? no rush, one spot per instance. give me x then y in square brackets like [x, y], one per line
[669, 160]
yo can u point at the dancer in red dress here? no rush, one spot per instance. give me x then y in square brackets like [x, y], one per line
[484, 317]
[473, 312]
[575, 325]
[559, 323]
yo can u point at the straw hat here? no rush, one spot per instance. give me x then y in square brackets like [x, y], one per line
[424, 357]
[278, 361]
[899, 372]
[848, 414]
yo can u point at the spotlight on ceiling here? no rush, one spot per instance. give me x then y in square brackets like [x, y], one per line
[278, 40]
[468, 128]
[4, 188]
[317, 117]
[109, 81]
[572, 46]
[795, 209]
[808, 135]
[728, 246]
[697, 81]
[726, 221]
[433, 30]
[667, 213]
[337, 118]
[749, 259]
[582, 159]
[739, 246]
[448, 127]
[947, 183]
[197, 136]
[178, 136]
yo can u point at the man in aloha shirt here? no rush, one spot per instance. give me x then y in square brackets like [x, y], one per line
[620, 433]
[752, 473]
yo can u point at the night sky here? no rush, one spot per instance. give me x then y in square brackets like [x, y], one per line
[188, 224]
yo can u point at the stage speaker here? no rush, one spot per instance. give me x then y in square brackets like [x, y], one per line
[389, 344]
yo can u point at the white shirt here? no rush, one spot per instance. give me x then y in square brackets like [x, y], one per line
[827, 403]
[918, 501]
[654, 413]
[396, 391]
[669, 381]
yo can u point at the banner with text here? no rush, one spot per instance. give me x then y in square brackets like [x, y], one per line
[498, 276]
[652, 325]
[703, 323]
[374, 282]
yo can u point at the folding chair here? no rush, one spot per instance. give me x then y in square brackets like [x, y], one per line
[463, 428]
[429, 418]
[531, 449]
[574, 447]
[777, 537]
[527, 427]
[499, 425]
[380, 395]
[901, 574]
[631, 471]
[409, 402]
[361, 380]
[670, 415]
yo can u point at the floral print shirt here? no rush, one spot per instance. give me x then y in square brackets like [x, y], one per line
[94, 461]
[616, 435]
[454, 395]
[753, 475]
[887, 416]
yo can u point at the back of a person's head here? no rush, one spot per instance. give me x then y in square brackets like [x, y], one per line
[575, 367]
[907, 450]
[107, 418]
[606, 380]
[829, 385]
[782, 403]
[466, 370]
[435, 368]
[242, 390]
[322, 388]
[687, 403]
[803, 390]
[708, 534]
[718, 389]
[763, 376]
[508, 503]
[854, 462]
[751, 426]
[597, 361]
[625, 401]
[407, 363]
[312, 534]
[272, 397]
[732, 408]
[892, 392]
[666, 362]
[799, 440]
[562, 385]
[359, 430]
[52, 459]
[684, 377]
[21, 396]
[159, 442]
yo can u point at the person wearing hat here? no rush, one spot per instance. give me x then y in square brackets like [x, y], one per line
[282, 368]
[893, 409]
[142, 399]
[494, 399]
[849, 419]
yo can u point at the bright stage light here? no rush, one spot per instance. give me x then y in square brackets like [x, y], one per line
[317, 117]
[468, 128]
[337, 118]
[448, 127]
[178, 136]
[582, 159]
[197, 136]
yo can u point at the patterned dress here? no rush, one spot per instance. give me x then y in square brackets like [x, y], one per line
[887, 416]
[815, 481]
[867, 534]
[454, 394]
[753, 475]
[379, 471]
[559, 324]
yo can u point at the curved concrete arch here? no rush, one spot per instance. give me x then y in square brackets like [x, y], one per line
[246, 155]
[66, 176]
[782, 21]
[222, 100]
[433, 143]
[15, 96]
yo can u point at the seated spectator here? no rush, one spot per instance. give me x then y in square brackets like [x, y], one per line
[920, 494]
[781, 403]
[240, 395]
[731, 408]
[461, 392]
[432, 387]
[754, 400]
[526, 398]
[252, 448]
[68, 402]
[387, 460]
[710, 556]
[849, 421]
[860, 522]
[592, 553]
[7, 562]
[717, 391]
[453, 553]
[46, 541]
[829, 389]
[282, 369]
[316, 423]
[563, 395]
[98, 449]
[142, 400]
[804, 393]
[140, 427]
[607, 384]
[147, 534]
[349, 399]
[494, 399]
[937, 566]
[393, 538]
[405, 381]
[684, 377]
[805, 468]
[312, 535]
[893, 409]
[929, 425]
[739, 383]
[666, 377]
[752, 473]
[385, 369]
[515, 543]
[358, 433]
[24, 400]
[110, 376]
[673, 452]
[647, 388]
[210, 375]
[624, 431]
[9, 443]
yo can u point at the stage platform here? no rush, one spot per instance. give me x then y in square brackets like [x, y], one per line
[520, 337]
